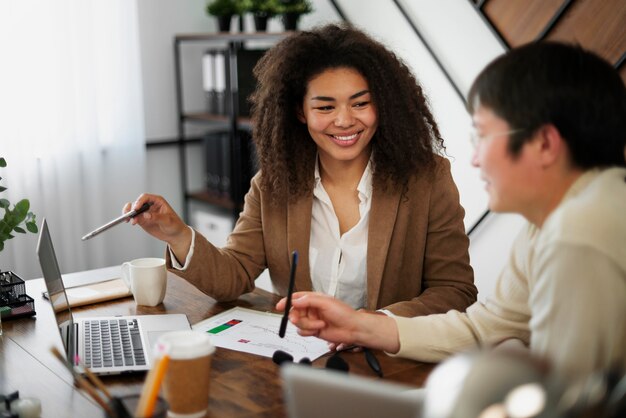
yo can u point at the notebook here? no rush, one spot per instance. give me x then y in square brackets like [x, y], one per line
[107, 345]
[95, 292]
[311, 393]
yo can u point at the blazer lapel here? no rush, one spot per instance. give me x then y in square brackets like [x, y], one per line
[298, 237]
[383, 213]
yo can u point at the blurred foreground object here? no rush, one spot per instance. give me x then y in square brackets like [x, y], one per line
[512, 384]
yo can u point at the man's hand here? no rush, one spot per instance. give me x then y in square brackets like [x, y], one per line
[323, 316]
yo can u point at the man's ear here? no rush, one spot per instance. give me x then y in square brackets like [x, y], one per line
[552, 146]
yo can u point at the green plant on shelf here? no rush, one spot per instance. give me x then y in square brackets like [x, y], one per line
[225, 7]
[300, 7]
[16, 218]
[266, 8]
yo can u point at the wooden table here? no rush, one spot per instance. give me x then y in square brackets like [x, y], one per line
[242, 385]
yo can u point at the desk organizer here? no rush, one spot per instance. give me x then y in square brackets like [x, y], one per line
[14, 302]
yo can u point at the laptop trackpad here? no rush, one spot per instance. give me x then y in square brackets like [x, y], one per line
[156, 325]
[153, 337]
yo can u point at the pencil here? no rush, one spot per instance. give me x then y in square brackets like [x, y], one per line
[95, 379]
[150, 391]
[82, 382]
[116, 221]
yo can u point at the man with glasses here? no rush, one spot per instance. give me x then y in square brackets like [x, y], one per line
[550, 137]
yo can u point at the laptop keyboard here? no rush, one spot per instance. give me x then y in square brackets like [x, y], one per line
[113, 342]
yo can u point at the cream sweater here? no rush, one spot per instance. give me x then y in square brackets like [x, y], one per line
[563, 291]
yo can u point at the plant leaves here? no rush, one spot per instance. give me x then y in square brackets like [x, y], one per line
[32, 227]
[22, 206]
[13, 218]
[5, 228]
[20, 211]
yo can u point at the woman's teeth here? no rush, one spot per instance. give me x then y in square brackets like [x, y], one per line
[345, 138]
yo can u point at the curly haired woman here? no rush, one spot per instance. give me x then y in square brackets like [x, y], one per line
[350, 177]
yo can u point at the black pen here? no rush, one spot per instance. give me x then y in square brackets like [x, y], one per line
[292, 279]
[372, 361]
[116, 221]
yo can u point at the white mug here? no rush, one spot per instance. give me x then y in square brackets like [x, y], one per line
[147, 280]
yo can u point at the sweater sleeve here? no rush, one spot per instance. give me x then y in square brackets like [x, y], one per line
[505, 315]
[578, 309]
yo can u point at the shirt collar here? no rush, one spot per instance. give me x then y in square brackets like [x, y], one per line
[581, 183]
[365, 184]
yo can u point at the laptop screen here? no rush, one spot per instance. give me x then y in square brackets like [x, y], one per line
[312, 392]
[54, 282]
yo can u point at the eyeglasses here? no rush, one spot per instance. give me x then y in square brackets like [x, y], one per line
[476, 138]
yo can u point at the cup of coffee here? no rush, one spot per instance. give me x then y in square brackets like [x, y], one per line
[147, 280]
[186, 382]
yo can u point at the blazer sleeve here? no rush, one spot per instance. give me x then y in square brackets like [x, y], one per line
[447, 277]
[227, 273]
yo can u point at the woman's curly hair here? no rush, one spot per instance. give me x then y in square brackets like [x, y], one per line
[407, 136]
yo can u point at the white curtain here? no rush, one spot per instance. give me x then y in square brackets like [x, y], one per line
[71, 127]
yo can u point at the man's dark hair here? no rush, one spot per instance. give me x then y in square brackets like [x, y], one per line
[554, 83]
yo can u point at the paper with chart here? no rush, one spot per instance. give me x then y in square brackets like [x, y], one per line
[256, 332]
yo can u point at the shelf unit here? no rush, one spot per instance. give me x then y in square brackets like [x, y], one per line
[232, 123]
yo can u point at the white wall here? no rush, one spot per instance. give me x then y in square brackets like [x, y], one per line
[451, 27]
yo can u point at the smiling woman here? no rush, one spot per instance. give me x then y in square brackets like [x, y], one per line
[72, 121]
[350, 178]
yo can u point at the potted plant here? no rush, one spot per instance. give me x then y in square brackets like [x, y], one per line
[261, 11]
[14, 219]
[224, 10]
[291, 10]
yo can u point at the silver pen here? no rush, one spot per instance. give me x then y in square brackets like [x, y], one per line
[116, 221]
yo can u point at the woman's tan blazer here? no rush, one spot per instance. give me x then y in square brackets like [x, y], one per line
[417, 253]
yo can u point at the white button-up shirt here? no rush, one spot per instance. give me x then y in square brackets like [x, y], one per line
[339, 262]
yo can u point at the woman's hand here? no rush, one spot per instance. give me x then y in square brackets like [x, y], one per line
[162, 222]
[323, 316]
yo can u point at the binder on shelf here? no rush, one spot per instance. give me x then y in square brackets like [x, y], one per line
[213, 158]
[218, 163]
[208, 81]
[225, 182]
[215, 79]
[246, 83]
[246, 60]
[221, 97]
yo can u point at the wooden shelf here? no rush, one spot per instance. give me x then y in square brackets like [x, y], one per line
[230, 37]
[205, 117]
[242, 121]
[213, 198]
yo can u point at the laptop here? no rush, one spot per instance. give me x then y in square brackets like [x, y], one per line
[312, 393]
[107, 345]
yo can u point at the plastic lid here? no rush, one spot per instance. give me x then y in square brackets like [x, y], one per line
[186, 344]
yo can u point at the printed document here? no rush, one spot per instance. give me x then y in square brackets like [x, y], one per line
[256, 332]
